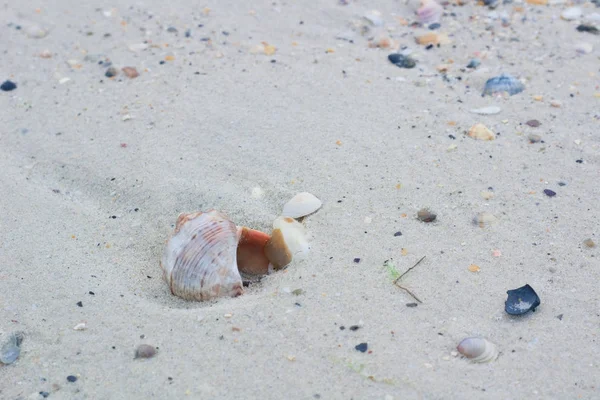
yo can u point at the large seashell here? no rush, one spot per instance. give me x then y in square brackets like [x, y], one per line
[501, 84]
[301, 205]
[287, 242]
[200, 260]
[478, 349]
[430, 12]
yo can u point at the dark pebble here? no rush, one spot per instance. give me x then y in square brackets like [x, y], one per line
[342, 328]
[562, 184]
[434, 26]
[145, 351]
[44, 394]
[7, 86]
[71, 378]
[534, 123]
[362, 347]
[452, 137]
[426, 216]
[412, 305]
[172, 29]
[521, 300]
[398, 233]
[588, 28]
[474, 63]
[354, 327]
[579, 161]
[560, 316]
[549, 193]
[357, 260]
[110, 72]
[162, 62]
[80, 304]
[402, 61]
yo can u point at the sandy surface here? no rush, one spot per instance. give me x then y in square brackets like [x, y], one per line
[96, 170]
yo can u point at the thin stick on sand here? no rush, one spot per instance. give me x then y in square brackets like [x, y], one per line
[406, 272]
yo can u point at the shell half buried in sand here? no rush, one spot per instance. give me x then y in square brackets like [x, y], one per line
[288, 242]
[301, 205]
[478, 349]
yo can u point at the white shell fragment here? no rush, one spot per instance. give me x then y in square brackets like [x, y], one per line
[430, 12]
[288, 242]
[571, 13]
[301, 205]
[200, 261]
[478, 349]
[491, 110]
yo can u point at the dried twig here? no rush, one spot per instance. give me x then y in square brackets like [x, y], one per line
[406, 272]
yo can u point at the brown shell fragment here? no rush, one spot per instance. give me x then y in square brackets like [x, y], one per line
[251, 257]
[277, 251]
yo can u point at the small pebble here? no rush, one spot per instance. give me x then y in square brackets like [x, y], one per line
[11, 350]
[588, 28]
[357, 260]
[589, 243]
[434, 26]
[36, 32]
[411, 305]
[130, 72]
[474, 63]
[549, 193]
[71, 378]
[426, 216]
[362, 347]
[398, 233]
[297, 292]
[354, 328]
[534, 123]
[401, 60]
[7, 86]
[80, 304]
[533, 138]
[44, 394]
[111, 72]
[145, 351]
[560, 316]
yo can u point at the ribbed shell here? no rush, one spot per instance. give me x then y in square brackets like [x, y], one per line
[478, 349]
[199, 262]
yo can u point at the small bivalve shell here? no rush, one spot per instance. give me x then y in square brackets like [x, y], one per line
[200, 260]
[430, 12]
[481, 132]
[288, 242]
[301, 205]
[478, 349]
[503, 84]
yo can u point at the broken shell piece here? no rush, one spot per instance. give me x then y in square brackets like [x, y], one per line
[478, 349]
[11, 350]
[481, 132]
[430, 12]
[251, 257]
[432, 38]
[503, 84]
[491, 110]
[301, 205]
[485, 219]
[200, 260]
[521, 300]
[287, 242]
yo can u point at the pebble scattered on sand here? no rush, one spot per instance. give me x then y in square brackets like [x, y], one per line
[549, 193]
[426, 216]
[7, 86]
[589, 243]
[145, 351]
[11, 349]
[362, 347]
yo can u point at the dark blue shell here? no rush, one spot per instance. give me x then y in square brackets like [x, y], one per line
[521, 300]
[503, 83]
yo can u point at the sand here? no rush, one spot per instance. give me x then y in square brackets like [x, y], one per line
[95, 171]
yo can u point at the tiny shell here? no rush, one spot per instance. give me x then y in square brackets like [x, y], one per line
[430, 12]
[481, 132]
[501, 84]
[491, 110]
[432, 38]
[478, 349]
[589, 243]
[287, 242]
[485, 219]
[373, 17]
[425, 215]
[200, 260]
[521, 300]
[301, 205]
[11, 350]
[571, 13]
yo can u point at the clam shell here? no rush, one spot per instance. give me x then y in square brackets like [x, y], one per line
[430, 12]
[503, 84]
[481, 132]
[301, 205]
[200, 260]
[288, 242]
[478, 349]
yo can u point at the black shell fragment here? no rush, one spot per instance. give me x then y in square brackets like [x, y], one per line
[521, 300]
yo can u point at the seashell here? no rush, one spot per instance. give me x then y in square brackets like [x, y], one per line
[200, 260]
[432, 38]
[571, 13]
[430, 12]
[491, 110]
[478, 349]
[373, 17]
[584, 48]
[402, 61]
[301, 205]
[11, 350]
[501, 84]
[521, 300]
[287, 242]
[589, 243]
[485, 219]
[251, 257]
[481, 132]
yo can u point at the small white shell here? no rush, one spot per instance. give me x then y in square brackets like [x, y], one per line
[491, 110]
[301, 205]
[430, 12]
[199, 262]
[478, 349]
[288, 242]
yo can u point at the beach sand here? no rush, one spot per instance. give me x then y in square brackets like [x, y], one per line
[95, 171]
